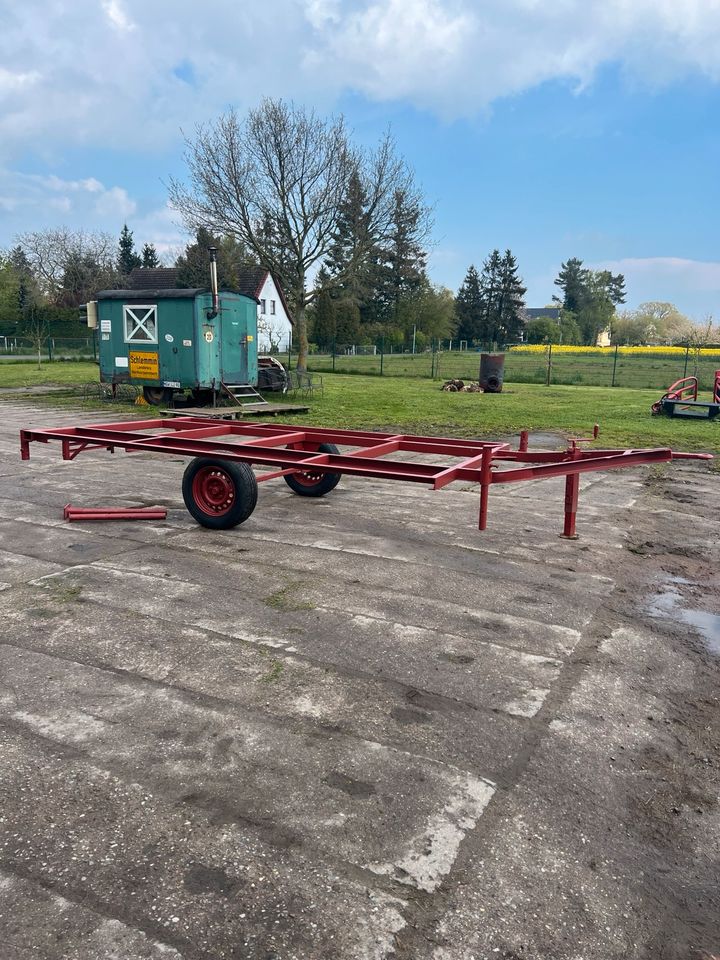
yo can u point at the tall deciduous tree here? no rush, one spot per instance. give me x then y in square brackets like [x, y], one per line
[433, 312]
[127, 258]
[277, 181]
[54, 253]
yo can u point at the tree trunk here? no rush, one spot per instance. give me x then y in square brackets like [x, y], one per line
[300, 334]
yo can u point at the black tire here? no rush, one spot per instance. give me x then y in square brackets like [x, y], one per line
[309, 484]
[158, 396]
[219, 494]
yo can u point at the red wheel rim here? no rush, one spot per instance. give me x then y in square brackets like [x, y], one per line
[308, 479]
[213, 491]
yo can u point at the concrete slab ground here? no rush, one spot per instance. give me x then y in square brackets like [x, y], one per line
[355, 727]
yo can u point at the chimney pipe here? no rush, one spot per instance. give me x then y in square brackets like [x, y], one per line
[213, 284]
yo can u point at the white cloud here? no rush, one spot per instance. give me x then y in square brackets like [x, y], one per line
[14, 82]
[88, 202]
[457, 56]
[117, 16]
[110, 74]
[693, 283]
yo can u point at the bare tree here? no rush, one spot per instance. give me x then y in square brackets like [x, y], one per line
[59, 256]
[36, 329]
[273, 332]
[276, 181]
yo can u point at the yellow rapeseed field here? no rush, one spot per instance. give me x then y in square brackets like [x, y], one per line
[541, 348]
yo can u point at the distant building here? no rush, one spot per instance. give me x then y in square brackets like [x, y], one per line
[603, 339]
[538, 313]
[154, 278]
[275, 323]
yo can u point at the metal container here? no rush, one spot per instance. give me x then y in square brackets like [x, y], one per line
[492, 369]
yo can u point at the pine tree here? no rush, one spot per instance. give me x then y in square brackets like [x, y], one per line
[127, 258]
[194, 264]
[501, 299]
[490, 283]
[150, 258]
[323, 328]
[469, 306]
[27, 291]
[347, 323]
[613, 285]
[349, 257]
[406, 256]
[573, 281]
[511, 302]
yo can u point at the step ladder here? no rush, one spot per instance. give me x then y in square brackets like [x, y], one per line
[243, 394]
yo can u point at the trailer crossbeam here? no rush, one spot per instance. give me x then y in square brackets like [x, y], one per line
[295, 450]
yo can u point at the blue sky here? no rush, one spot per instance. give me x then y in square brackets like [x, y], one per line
[558, 129]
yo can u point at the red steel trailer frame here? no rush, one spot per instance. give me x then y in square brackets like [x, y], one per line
[220, 492]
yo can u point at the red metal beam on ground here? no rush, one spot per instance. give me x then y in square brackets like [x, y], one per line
[114, 513]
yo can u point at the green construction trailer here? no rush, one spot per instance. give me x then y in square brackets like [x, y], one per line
[176, 340]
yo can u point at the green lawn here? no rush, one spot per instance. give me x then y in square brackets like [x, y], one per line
[419, 406]
[63, 373]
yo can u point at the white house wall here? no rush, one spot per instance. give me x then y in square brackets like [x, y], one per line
[277, 323]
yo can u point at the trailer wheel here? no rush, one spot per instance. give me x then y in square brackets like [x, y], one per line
[314, 483]
[219, 494]
[158, 396]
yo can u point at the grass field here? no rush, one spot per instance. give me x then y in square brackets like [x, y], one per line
[419, 406]
[650, 371]
[62, 373]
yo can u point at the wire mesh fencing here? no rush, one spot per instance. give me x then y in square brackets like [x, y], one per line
[641, 367]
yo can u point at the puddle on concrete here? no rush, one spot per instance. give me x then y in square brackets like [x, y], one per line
[669, 603]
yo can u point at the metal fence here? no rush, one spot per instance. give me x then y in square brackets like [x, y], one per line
[649, 368]
[51, 348]
[652, 368]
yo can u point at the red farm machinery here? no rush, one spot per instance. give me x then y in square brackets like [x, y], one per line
[220, 487]
[681, 400]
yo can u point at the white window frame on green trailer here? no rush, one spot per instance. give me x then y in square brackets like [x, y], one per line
[139, 327]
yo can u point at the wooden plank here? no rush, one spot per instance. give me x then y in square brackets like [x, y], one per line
[236, 413]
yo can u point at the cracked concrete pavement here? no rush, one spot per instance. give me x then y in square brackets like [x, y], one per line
[355, 727]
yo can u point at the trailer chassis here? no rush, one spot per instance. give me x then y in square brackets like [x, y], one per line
[220, 489]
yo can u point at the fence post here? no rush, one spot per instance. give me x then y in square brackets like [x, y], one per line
[333, 356]
[49, 348]
[614, 365]
[687, 354]
[549, 365]
[382, 353]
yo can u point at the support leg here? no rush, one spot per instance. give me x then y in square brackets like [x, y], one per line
[484, 488]
[572, 489]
